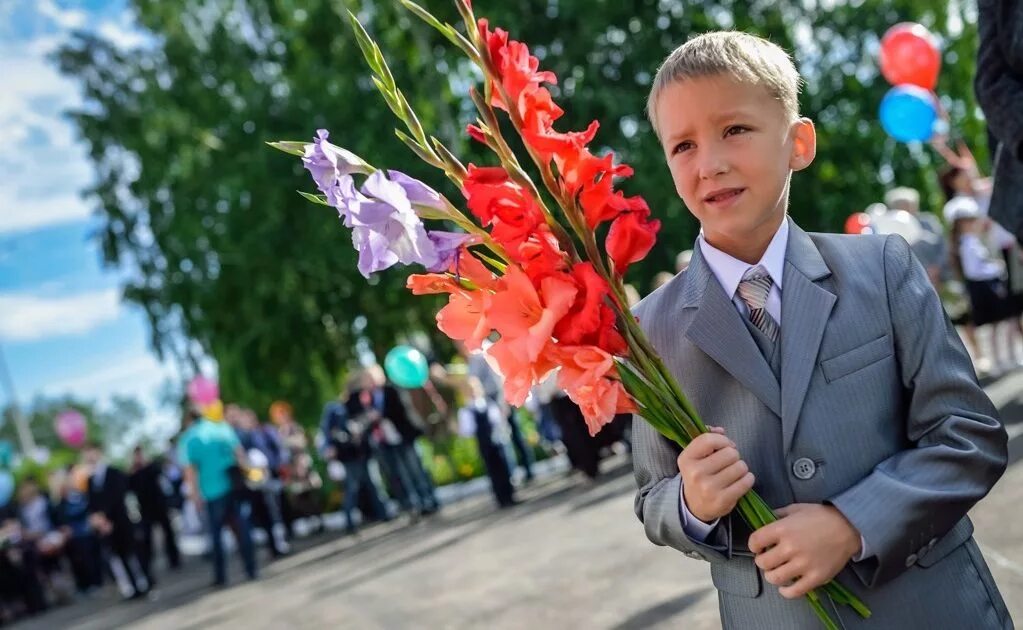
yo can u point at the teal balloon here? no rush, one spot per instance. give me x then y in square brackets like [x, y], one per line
[6, 453]
[6, 487]
[406, 367]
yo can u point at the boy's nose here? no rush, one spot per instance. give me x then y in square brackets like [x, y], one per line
[712, 164]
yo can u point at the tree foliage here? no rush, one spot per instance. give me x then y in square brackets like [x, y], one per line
[228, 261]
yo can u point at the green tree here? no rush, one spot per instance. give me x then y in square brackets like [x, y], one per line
[229, 262]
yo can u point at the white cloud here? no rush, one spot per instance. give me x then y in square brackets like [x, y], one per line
[130, 373]
[28, 317]
[121, 34]
[63, 18]
[31, 214]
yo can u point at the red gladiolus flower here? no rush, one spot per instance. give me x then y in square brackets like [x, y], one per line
[514, 66]
[497, 201]
[476, 133]
[590, 321]
[539, 255]
[630, 238]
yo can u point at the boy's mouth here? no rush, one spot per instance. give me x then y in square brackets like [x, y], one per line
[723, 195]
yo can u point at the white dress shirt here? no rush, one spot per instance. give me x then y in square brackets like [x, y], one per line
[977, 261]
[729, 271]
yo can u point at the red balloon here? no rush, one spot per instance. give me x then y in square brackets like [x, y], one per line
[909, 54]
[858, 223]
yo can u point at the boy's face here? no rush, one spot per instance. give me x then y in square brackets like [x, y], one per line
[731, 147]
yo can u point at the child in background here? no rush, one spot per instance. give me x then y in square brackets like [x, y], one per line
[986, 281]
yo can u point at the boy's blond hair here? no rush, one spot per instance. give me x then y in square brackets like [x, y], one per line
[746, 58]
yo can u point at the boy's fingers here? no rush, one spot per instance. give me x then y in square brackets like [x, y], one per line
[707, 444]
[771, 559]
[719, 430]
[732, 473]
[719, 460]
[764, 538]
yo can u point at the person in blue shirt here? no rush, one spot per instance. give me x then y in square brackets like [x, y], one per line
[212, 455]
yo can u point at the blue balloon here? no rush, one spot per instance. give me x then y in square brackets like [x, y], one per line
[908, 113]
[406, 367]
[6, 487]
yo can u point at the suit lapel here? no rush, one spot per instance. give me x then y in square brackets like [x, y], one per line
[716, 328]
[805, 308]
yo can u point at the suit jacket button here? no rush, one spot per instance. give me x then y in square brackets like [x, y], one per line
[931, 544]
[911, 560]
[804, 468]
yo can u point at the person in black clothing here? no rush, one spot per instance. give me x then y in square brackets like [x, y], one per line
[20, 585]
[108, 514]
[483, 419]
[347, 442]
[82, 546]
[264, 496]
[392, 433]
[147, 484]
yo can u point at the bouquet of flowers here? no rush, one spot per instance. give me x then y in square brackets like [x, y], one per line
[526, 265]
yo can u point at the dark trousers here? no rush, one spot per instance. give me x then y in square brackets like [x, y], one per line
[499, 471]
[420, 479]
[218, 512]
[266, 512]
[357, 480]
[19, 577]
[522, 451]
[581, 448]
[122, 547]
[396, 468]
[170, 543]
[86, 561]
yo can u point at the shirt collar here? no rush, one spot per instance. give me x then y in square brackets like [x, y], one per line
[729, 270]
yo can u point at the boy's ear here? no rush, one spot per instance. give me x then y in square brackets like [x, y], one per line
[804, 144]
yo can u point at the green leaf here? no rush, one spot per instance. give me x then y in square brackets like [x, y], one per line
[317, 199]
[424, 15]
[290, 147]
[493, 262]
[421, 152]
[448, 157]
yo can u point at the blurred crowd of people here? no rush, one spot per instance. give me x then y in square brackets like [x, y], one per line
[974, 263]
[98, 523]
[93, 523]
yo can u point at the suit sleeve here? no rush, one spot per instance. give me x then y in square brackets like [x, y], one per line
[999, 90]
[658, 502]
[958, 446]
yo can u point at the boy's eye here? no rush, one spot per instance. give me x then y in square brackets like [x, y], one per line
[682, 146]
[736, 130]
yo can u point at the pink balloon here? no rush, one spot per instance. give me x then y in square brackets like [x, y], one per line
[71, 427]
[203, 391]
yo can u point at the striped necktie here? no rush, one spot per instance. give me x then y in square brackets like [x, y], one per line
[753, 290]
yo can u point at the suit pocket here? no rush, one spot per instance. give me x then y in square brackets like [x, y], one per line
[856, 359]
[738, 576]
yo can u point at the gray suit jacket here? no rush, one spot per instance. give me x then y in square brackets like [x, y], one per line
[877, 412]
[999, 86]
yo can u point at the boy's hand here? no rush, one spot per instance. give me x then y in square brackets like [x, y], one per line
[714, 478]
[806, 547]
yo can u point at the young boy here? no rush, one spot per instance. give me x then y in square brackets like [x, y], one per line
[840, 390]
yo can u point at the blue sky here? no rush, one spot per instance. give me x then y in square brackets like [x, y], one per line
[63, 327]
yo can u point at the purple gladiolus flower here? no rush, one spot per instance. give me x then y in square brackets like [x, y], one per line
[328, 163]
[417, 192]
[385, 228]
[447, 244]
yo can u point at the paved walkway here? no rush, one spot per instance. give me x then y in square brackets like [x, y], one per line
[572, 555]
